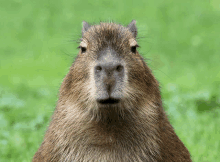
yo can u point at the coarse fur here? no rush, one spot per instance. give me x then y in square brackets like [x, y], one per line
[134, 130]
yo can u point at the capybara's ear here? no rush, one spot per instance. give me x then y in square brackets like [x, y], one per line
[132, 27]
[85, 27]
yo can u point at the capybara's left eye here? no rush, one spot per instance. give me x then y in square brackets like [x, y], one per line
[134, 48]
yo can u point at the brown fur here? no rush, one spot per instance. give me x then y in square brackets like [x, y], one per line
[137, 130]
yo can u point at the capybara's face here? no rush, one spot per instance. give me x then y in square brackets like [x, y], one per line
[108, 71]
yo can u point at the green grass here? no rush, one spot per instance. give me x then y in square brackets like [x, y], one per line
[181, 46]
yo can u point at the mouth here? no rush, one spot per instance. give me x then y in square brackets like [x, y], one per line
[109, 101]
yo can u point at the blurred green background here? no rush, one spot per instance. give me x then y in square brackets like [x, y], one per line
[181, 45]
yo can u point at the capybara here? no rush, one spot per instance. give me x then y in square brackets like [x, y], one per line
[110, 107]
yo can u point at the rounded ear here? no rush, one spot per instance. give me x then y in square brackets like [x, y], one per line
[132, 27]
[85, 27]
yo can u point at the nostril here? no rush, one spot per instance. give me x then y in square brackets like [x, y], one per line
[119, 68]
[98, 68]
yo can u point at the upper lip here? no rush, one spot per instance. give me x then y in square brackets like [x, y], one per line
[108, 101]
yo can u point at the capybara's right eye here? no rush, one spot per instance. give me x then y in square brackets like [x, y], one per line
[83, 49]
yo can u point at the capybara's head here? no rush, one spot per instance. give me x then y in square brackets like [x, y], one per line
[109, 75]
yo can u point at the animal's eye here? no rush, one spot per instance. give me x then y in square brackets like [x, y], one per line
[134, 48]
[83, 49]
